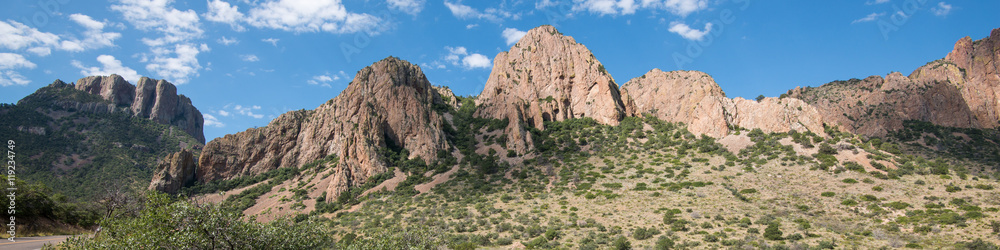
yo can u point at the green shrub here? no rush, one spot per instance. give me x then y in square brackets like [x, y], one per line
[850, 181]
[773, 231]
[827, 194]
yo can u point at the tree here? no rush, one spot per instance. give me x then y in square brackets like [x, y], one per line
[621, 243]
[773, 232]
[759, 98]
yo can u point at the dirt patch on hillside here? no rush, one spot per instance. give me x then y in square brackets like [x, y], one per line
[390, 184]
[735, 143]
[437, 179]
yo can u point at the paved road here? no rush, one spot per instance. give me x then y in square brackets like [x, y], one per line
[27, 243]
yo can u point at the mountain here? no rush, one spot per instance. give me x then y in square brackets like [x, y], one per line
[547, 76]
[389, 104]
[156, 100]
[693, 98]
[960, 90]
[80, 138]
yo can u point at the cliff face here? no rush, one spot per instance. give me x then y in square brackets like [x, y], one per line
[173, 172]
[156, 100]
[548, 77]
[388, 102]
[695, 99]
[979, 63]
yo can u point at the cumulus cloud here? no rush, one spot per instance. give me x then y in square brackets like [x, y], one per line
[247, 111]
[249, 58]
[17, 36]
[9, 62]
[272, 41]
[211, 121]
[412, 7]
[462, 11]
[460, 56]
[109, 65]
[688, 33]
[327, 79]
[512, 35]
[159, 16]
[228, 41]
[178, 63]
[942, 9]
[172, 56]
[627, 7]
[868, 18]
[223, 12]
[310, 16]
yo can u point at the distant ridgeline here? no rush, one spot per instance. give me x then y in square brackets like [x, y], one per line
[80, 138]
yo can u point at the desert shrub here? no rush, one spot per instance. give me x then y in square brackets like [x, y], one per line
[827, 194]
[773, 231]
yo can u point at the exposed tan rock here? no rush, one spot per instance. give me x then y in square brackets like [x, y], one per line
[390, 101]
[547, 76]
[152, 99]
[693, 97]
[961, 90]
[175, 171]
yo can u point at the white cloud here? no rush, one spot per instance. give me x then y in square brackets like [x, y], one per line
[223, 12]
[173, 56]
[247, 111]
[109, 65]
[412, 7]
[211, 121]
[677, 7]
[868, 18]
[157, 15]
[86, 21]
[177, 64]
[325, 79]
[472, 25]
[876, 2]
[688, 33]
[249, 58]
[606, 7]
[228, 41]
[17, 36]
[223, 113]
[476, 61]
[272, 41]
[512, 35]
[942, 9]
[8, 63]
[627, 7]
[459, 56]
[462, 11]
[544, 4]
[310, 16]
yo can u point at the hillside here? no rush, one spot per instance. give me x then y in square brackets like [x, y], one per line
[79, 143]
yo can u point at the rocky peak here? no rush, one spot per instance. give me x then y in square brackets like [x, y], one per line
[389, 102]
[547, 76]
[113, 88]
[694, 98]
[174, 171]
[156, 100]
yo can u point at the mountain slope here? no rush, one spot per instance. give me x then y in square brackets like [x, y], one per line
[79, 143]
[547, 76]
[389, 105]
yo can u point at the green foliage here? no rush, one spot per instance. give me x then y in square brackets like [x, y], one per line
[773, 231]
[165, 223]
[827, 194]
[621, 243]
[641, 233]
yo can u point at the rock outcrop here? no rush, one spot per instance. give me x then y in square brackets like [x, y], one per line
[960, 90]
[547, 76]
[156, 100]
[693, 97]
[174, 172]
[389, 102]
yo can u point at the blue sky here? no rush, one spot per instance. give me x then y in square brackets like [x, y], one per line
[243, 62]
